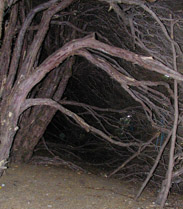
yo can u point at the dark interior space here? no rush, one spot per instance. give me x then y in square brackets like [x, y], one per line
[118, 114]
[94, 87]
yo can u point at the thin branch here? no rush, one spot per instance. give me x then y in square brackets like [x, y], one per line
[80, 104]
[140, 149]
[71, 48]
[2, 6]
[33, 102]
[154, 166]
[19, 43]
[173, 140]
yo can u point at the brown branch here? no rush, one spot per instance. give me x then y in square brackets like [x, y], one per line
[19, 43]
[173, 139]
[56, 22]
[2, 5]
[5, 53]
[163, 28]
[71, 48]
[131, 2]
[140, 149]
[33, 102]
[142, 5]
[177, 173]
[154, 166]
[66, 102]
[93, 111]
[124, 81]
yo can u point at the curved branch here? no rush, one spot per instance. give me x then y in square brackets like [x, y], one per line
[66, 102]
[139, 151]
[123, 80]
[49, 102]
[154, 166]
[23, 87]
[169, 173]
[18, 46]
[2, 5]
[89, 41]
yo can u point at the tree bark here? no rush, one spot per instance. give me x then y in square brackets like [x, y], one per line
[2, 5]
[35, 123]
[12, 94]
[13, 105]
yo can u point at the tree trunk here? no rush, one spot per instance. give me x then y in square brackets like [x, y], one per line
[8, 127]
[34, 125]
[27, 139]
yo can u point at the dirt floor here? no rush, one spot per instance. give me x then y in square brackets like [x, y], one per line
[40, 187]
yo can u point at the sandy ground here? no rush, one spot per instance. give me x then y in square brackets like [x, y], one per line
[41, 187]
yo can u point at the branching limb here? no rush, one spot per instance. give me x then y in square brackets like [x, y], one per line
[2, 6]
[33, 102]
[154, 166]
[140, 150]
[173, 139]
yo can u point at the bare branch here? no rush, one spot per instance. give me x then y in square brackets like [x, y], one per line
[154, 166]
[2, 6]
[32, 102]
[140, 150]
[173, 139]
[71, 48]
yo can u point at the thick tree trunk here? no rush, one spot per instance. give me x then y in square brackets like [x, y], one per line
[27, 138]
[8, 127]
[34, 125]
